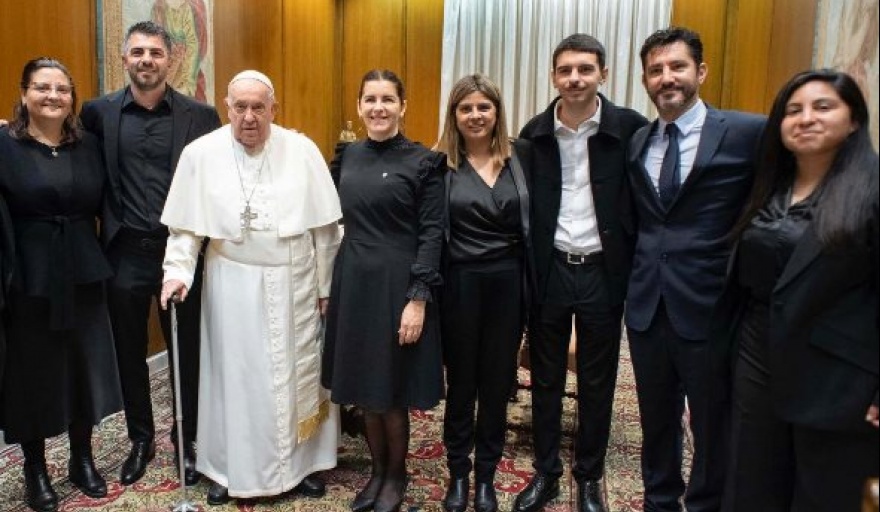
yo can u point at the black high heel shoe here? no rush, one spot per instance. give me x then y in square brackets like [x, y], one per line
[379, 506]
[365, 500]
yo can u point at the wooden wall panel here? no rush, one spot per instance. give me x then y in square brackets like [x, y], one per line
[247, 35]
[424, 55]
[63, 29]
[309, 99]
[709, 18]
[373, 36]
[749, 23]
[791, 44]
[751, 46]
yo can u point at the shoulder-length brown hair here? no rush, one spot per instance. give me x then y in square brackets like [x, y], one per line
[71, 131]
[451, 141]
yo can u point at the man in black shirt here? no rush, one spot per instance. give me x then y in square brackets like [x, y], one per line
[143, 129]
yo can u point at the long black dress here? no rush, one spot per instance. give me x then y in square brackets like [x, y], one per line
[392, 205]
[60, 360]
[7, 256]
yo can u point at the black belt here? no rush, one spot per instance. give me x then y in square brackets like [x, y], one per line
[579, 259]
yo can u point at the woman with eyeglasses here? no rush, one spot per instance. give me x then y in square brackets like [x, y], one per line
[60, 370]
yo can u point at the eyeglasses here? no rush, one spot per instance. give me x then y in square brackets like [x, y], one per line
[242, 109]
[44, 88]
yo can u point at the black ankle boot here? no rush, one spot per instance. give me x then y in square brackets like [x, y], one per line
[38, 491]
[484, 498]
[84, 475]
[456, 495]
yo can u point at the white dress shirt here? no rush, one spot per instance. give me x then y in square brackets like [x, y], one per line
[690, 126]
[576, 228]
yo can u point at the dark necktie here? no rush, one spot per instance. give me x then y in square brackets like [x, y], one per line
[670, 169]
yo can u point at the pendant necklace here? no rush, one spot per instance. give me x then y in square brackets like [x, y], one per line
[54, 151]
[247, 215]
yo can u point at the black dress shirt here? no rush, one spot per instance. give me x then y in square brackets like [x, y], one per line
[145, 162]
[484, 221]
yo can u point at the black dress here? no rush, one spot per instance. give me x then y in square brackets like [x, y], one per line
[392, 204]
[7, 257]
[60, 360]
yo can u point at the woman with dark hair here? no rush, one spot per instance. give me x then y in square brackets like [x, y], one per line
[60, 373]
[799, 317]
[382, 346]
[484, 284]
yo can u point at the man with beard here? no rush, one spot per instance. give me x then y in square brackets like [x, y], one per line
[143, 129]
[582, 238]
[690, 172]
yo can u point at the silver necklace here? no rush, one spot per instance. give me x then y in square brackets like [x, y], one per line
[247, 215]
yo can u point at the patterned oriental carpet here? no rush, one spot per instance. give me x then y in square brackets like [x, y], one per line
[159, 490]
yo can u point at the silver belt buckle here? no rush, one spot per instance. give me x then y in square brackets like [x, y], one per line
[575, 259]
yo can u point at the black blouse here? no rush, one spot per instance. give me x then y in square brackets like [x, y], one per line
[768, 242]
[484, 221]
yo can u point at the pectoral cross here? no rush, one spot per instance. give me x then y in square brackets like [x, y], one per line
[246, 217]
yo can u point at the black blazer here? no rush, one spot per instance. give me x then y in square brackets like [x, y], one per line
[101, 116]
[823, 332]
[681, 253]
[611, 195]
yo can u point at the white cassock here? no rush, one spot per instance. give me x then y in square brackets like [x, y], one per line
[264, 421]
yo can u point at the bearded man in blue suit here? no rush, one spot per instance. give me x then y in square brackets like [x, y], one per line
[690, 172]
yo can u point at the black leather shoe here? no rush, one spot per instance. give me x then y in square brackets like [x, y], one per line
[311, 486]
[134, 467]
[83, 474]
[218, 495]
[190, 475]
[484, 497]
[38, 491]
[538, 493]
[590, 497]
[456, 495]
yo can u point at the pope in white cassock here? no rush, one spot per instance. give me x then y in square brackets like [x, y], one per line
[263, 196]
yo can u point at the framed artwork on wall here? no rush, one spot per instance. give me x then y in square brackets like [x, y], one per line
[848, 39]
[190, 24]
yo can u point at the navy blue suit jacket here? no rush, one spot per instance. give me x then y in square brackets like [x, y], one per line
[681, 253]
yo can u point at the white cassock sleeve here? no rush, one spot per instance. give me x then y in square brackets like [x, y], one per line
[326, 239]
[181, 255]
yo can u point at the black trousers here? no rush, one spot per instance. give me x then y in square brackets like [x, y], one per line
[777, 466]
[669, 368]
[482, 328]
[581, 291]
[137, 261]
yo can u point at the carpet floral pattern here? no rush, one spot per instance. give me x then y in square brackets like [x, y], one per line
[159, 490]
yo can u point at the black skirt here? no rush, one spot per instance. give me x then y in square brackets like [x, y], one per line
[56, 377]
